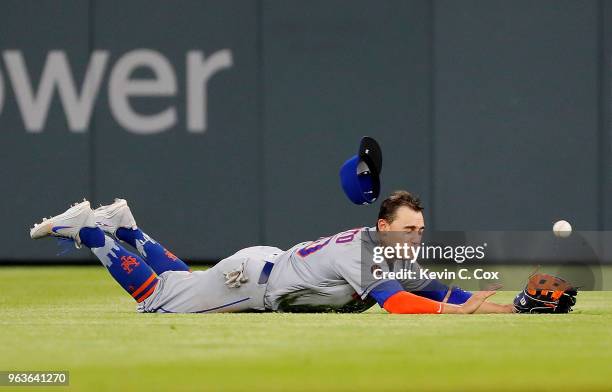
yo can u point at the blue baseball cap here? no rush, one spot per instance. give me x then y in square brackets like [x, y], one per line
[360, 174]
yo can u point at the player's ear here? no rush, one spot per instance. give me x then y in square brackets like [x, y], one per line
[383, 225]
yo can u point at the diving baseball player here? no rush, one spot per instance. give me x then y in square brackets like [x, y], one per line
[329, 274]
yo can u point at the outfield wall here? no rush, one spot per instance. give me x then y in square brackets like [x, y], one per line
[224, 123]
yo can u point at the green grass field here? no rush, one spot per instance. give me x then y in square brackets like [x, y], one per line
[78, 319]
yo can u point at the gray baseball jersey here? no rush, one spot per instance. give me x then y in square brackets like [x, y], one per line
[330, 274]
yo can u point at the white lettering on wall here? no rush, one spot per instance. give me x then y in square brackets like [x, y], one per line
[56, 74]
[34, 101]
[121, 87]
[199, 73]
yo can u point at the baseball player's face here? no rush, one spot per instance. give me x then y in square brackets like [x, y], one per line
[406, 228]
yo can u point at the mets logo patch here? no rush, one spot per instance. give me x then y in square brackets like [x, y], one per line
[128, 262]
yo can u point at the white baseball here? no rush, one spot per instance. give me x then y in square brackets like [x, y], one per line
[562, 229]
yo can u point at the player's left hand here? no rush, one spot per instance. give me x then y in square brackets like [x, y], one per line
[546, 294]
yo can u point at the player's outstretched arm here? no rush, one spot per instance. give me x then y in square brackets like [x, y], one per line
[404, 302]
[472, 305]
[490, 307]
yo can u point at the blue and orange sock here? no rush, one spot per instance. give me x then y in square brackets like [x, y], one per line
[158, 257]
[128, 269]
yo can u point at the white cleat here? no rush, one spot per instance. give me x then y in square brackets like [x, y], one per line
[113, 216]
[67, 224]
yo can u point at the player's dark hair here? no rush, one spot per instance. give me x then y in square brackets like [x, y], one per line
[398, 199]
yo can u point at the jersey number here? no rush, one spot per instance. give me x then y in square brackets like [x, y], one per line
[314, 246]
